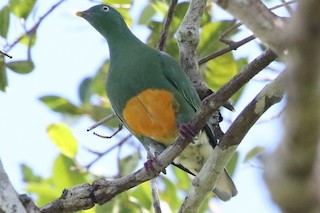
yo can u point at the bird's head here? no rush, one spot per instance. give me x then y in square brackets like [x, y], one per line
[104, 18]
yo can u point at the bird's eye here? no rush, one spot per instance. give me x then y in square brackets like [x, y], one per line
[105, 8]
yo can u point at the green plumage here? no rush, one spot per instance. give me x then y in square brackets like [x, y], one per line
[136, 67]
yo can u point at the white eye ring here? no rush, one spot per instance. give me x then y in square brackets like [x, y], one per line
[105, 8]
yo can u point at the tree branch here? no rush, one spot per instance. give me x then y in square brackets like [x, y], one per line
[35, 27]
[207, 177]
[84, 196]
[188, 39]
[9, 198]
[166, 26]
[291, 172]
[230, 47]
[264, 24]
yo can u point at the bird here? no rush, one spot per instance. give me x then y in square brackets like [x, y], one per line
[152, 96]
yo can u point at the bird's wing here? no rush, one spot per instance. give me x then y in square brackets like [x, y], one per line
[175, 75]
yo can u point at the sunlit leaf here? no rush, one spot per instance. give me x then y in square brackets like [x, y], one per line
[3, 76]
[59, 104]
[4, 17]
[29, 40]
[62, 137]
[28, 174]
[45, 192]
[209, 37]
[22, 67]
[118, 2]
[62, 174]
[147, 13]
[143, 191]
[21, 8]
[85, 90]
[170, 194]
[253, 153]
[183, 179]
[220, 70]
[129, 163]
[160, 7]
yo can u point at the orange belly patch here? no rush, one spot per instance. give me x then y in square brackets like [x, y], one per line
[152, 113]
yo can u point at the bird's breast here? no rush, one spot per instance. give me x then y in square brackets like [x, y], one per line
[152, 113]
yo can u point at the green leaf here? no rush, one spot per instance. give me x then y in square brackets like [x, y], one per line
[28, 175]
[160, 7]
[59, 104]
[99, 80]
[183, 179]
[45, 192]
[209, 37]
[3, 76]
[143, 193]
[118, 2]
[147, 13]
[4, 17]
[129, 163]
[253, 153]
[85, 90]
[21, 8]
[29, 40]
[109, 206]
[220, 70]
[22, 67]
[204, 205]
[62, 174]
[61, 135]
[170, 194]
[231, 166]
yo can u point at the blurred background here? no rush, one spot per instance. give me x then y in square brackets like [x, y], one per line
[53, 90]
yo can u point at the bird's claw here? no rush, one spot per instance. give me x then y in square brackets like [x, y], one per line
[148, 165]
[186, 131]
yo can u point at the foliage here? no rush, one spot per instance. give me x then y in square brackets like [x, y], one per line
[94, 103]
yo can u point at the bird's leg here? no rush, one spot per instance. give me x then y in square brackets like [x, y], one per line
[148, 165]
[186, 131]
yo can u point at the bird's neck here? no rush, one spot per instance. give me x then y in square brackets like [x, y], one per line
[122, 42]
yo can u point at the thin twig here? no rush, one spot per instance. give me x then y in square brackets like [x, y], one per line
[5, 54]
[35, 27]
[166, 26]
[101, 154]
[231, 47]
[285, 4]
[113, 134]
[109, 117]
[155, 196]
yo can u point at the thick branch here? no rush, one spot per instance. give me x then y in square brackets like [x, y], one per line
[206, 179]
[165, 30]
[291, 170]
[84, 196]
[9, 198]
[188, 38]
[264, 24]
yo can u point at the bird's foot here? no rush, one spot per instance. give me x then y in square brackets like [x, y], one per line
[148, 165]
[186, 131]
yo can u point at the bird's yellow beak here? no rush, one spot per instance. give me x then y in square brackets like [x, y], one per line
[80, 13]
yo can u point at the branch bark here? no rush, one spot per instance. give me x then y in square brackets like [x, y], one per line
[291, 172]
[10, 201]
[270, 95]
[264, 24]
[85, 196]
